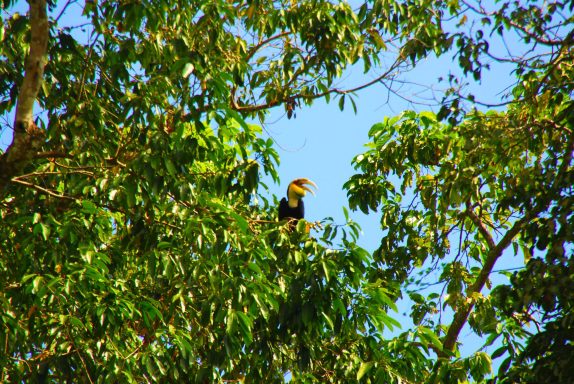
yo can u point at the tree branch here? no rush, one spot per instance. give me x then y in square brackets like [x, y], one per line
[28, 138]
[263, 43]
[480, 225]
[462, 314]
[41, 189]
[495, 251]
[299, 96]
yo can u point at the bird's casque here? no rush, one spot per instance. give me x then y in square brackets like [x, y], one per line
[292, 207]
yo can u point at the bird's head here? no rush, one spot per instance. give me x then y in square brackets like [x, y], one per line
[298, 188]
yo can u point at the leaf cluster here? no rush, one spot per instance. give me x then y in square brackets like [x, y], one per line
[138, 243]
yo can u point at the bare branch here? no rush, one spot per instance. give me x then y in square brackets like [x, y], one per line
[63, 11]
[263, 43]
[338, 91]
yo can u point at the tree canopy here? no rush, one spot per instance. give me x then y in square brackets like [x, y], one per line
[138, 242]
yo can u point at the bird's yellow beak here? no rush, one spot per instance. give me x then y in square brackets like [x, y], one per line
[300, 186]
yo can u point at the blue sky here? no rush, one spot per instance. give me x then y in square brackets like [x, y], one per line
[321, 141]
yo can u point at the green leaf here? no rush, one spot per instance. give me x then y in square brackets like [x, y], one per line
[43, 229]
[37, 283]
[325, 270]
[245, 325]
[241, 222]
[255, 268]
[388, 321]
[429, 336]
[25, 278]
[340, 307]
[328, 320]
[170, 167]
[151, 310]
[76, 322]
[231, 322]
[504, 366]
[381, 296]
[89, 207]
[364, 369]
[187, 70]
[342, 103]
[499, 352]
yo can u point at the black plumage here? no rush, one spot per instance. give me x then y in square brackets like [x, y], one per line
[286, 212]
[292, 207]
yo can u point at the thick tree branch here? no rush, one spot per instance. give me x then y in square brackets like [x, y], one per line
[28, 138]
[463, 312]
[480, 225]
[495, 251]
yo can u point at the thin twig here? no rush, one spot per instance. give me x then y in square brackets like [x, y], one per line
[43, 190]
[85, 366]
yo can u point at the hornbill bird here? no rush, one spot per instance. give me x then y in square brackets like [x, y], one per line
[292, 207]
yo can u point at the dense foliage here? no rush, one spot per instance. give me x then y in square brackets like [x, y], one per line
[137, 243]
[484, 187]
